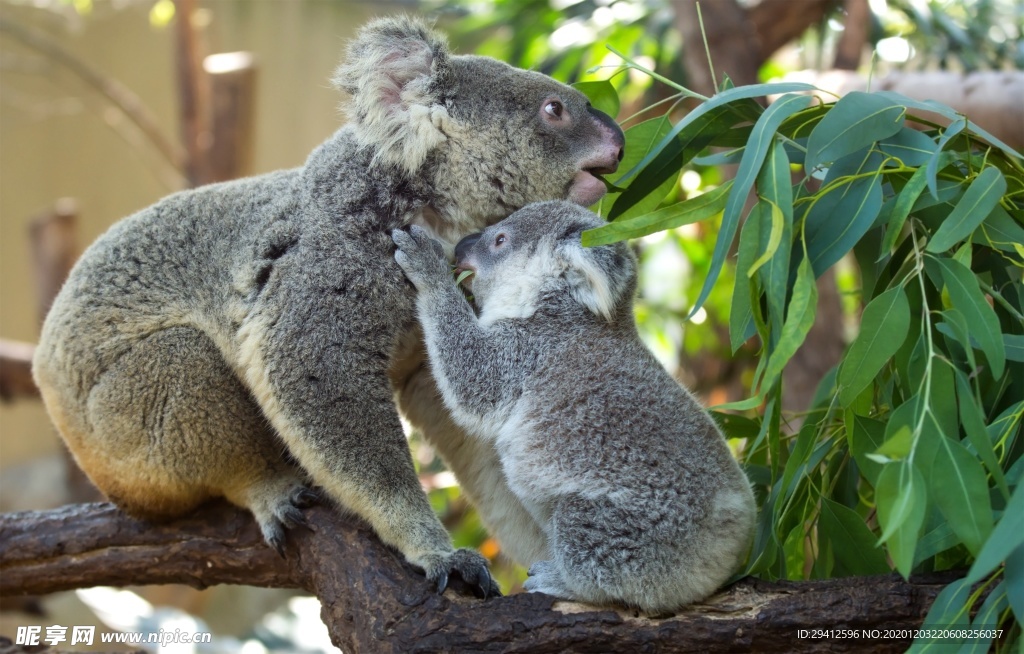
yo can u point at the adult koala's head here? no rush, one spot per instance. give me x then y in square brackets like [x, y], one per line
[487, 137]
[534, 259]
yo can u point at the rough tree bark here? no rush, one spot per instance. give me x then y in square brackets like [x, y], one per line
[374, 602]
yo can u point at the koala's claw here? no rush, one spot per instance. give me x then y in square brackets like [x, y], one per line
[442, 582]
[305, 498]
[294, 517]
[281, 510]
[470, 565]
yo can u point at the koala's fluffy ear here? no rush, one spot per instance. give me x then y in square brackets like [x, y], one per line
[598, 277]
[397, 70]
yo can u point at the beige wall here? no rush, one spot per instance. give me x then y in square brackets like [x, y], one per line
[57, 139]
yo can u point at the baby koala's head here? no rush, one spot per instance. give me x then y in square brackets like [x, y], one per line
[535, 256]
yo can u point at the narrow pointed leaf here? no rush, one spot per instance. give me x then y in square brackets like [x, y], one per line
[839, 220]
[856, 121]
[937, 161]
[775, 185]
[978, 201]
[702, 207]
[799, 318]
[855, 547]
[719, 100]
[966, 296]
[753, 157]
[883, 328]
[959, 488]
[901, 501]
[1007, 536]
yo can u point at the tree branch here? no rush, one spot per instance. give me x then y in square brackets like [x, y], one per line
[118, 94]
[375, 602]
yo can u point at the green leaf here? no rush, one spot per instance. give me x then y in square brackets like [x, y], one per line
[974, 424]
[695, 209]
[1001, 231]
[1014, 576]
[988, 619]
[904, 202]
[856, 121]
[883, 328]
[720, 100]
[950, 610]
[758, 145]
[774, 185]
[938, 162]
[901, 500]
[841, 216]
[966, 296]
[778, 222]
[602, 96]
[855, 547]
[910, 146]
[866, 436]
[1014, 345]
[741, 314]
[1007, 536]
[799, 318]
[978, 201]
[959, 488]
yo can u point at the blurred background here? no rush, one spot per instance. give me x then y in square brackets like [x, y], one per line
[108, 105]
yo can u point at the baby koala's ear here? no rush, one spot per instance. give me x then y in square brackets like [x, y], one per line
[593, 279]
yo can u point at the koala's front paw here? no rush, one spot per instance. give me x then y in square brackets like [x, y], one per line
[468, 564]
[544, 577]
[421, 257]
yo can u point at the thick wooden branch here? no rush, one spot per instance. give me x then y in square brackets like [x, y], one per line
[374, 602]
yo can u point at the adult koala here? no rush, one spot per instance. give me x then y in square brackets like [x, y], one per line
[235, 340]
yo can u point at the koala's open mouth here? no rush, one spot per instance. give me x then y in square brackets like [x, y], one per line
[587, 185]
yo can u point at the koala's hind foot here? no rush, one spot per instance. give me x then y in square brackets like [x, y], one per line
[544, 577]
[470, 565]
[276, 503]
[170, 426]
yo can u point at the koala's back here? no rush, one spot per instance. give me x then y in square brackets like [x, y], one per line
[646, 503]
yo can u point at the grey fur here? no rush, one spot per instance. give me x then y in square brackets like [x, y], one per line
[632, 490]
[236, 340]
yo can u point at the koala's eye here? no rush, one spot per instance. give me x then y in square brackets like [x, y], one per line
[554, 109]
[500, 240]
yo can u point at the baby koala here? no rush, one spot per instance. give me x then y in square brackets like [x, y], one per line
[628, 479]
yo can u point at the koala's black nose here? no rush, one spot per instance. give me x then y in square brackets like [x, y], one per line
[463, 246]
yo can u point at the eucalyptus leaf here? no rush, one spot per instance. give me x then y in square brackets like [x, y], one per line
[901, 500]
[855, 547]
[910, 146]
[1007, 536]
[856, 121]
[857, 201]
[799, 318]
[774, 185]
[883, 328]
[602, 95]
[722, 99]
[967, 297]
[754, 155]
[695, 209]
[978, 201]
